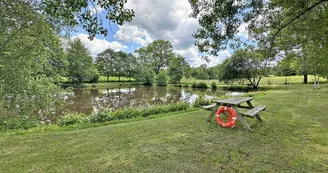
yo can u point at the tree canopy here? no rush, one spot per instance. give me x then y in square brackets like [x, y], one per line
[269, 23]
[244, 65]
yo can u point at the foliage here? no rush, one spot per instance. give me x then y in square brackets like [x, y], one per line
[73, 13]
[31, 60]
[176, 69]
[201, 85]
[214, 86]
[244, 65]
[187, 71]
[156, 55]
[200, 72]
[104, 62]
[21, 123]
[145, 75]
[100, 117]
[72, 118]
[269, 23]
[126, 113]
[200, 101]
[161, 78]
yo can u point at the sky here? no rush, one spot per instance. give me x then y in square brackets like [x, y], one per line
[155, 19]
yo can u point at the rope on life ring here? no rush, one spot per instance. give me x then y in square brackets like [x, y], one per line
[232, 117]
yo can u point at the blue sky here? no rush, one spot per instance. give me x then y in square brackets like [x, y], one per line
[155, 19]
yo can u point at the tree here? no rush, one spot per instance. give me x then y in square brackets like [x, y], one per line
[161, 78]
[120, 63]
[188, 71]
[104, 62]
[156, 55]
[176, 69]
[145, 75]
[243, 64]
[268, 22]
[81, 67]
[31, 58]
[131, 66]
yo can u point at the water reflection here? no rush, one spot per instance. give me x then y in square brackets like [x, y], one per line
[90, 100]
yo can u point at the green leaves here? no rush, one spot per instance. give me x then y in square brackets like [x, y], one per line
[81, 67]
[85, 13]
[243, 65]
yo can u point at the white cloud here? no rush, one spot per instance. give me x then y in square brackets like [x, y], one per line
[193, 57]
[98, 45]
[158, 19]
[167, 20]
[129, 33]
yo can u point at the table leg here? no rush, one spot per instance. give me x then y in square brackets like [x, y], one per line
[249, 104]
[241, 118]
[215, 108]
[257, 116]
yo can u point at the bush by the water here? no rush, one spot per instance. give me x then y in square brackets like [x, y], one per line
[201, 101]
[214, 86]
[199, 85]
[161, 78]
[72, 118]
[127, 113]
[18, 123]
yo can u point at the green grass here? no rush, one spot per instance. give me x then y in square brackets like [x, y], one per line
[292, 138]
[269, 80]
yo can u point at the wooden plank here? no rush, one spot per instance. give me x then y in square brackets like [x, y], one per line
[253, 112]
[207, 107]
[233, 100]
[241, 119]
[216, 107]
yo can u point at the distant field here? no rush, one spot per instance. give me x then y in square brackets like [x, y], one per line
[275, 80]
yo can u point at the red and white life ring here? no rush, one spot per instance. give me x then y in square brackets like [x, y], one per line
[232, 117]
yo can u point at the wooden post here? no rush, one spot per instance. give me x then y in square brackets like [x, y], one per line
[241, 119]
[215, 108]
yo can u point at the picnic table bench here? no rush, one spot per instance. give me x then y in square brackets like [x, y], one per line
[235, 103]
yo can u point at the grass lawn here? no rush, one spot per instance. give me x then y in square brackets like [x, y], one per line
[269, 80]
[293, 138]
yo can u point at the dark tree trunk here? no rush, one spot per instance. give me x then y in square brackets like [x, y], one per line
[107, 78]
[119, 78]
[305, 80]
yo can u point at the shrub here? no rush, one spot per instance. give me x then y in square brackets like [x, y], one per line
[194, 85]
[200, 101]
[161, 78]
[95, 79]
[100, 117]
[186, 85]
[202, 85]
[18, 123]
[214, 86]
[72, 118]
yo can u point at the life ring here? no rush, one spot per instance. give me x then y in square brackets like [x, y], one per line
[232, 117]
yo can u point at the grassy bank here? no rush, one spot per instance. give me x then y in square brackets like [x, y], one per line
[269, 80]
[293, 138]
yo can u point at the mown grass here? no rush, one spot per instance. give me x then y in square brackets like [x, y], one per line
[269, 80]
[292, 138]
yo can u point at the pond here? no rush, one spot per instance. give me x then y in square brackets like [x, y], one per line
[88, 100]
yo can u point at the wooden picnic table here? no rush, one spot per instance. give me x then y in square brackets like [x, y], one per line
[235, 103]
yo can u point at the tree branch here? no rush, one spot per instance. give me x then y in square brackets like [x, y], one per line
[295, 18]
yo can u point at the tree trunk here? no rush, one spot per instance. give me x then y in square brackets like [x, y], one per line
[315, 81]
[129, 78]
[119, 78]
[107, 78]
[305, 78]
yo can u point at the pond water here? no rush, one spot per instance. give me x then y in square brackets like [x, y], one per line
[93, 99]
